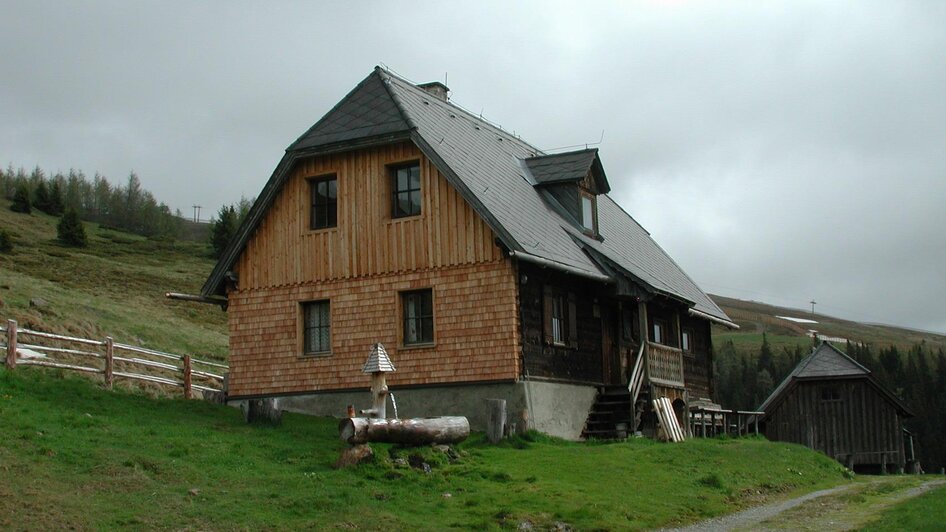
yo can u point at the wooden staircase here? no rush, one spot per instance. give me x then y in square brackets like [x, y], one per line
[610, 417]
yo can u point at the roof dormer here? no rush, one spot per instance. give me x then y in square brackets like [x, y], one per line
[570, 182]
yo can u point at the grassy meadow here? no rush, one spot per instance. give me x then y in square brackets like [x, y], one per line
[77, 456]
[114, 287]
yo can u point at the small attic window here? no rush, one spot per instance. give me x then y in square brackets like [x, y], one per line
[589, 213]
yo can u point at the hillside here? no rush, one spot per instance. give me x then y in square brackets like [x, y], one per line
[76, 456]
[114, 287]
[754, 317]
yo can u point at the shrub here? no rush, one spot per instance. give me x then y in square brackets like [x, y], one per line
[70, 230]
[6, 241]
[21, 200]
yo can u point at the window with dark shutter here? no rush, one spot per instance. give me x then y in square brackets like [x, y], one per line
[559, 317]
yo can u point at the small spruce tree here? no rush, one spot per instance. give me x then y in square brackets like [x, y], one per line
[222, 229]
[41, 197]
[56, 207]
[70, 230]
[6, 241]
[21, 199]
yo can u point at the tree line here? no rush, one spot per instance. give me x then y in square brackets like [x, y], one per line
[916, 375]
[128, 207]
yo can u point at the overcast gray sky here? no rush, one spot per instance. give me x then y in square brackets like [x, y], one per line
[778, 151]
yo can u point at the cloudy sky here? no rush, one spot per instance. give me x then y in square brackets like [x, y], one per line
[780, 152]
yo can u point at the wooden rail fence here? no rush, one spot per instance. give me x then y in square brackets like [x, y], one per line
[101, 356]
[707, 422]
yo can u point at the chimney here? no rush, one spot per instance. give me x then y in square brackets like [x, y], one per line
[436, 89]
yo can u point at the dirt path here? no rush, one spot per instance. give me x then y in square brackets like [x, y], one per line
[840, 508]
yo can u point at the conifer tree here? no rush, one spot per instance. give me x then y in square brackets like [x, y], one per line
[70, 230]
[21, 200]
[222, 229]
[41, 197]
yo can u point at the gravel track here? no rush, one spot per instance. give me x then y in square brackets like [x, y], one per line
[754, 516]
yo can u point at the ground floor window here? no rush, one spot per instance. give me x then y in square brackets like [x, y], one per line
[560, 317]
[317, 329]
[418, 315]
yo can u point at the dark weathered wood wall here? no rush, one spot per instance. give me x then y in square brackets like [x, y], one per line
[861, 422]
[556, 362]
[698, 362]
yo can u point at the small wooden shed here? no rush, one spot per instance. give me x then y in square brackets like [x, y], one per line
[832, 404]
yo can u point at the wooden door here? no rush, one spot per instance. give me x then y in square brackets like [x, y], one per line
[612, 368]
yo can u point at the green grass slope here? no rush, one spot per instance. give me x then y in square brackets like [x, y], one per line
[114, 287]
[77, 456]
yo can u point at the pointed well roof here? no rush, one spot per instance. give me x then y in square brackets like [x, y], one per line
[827, 362]
[495, 172]
[378, 361]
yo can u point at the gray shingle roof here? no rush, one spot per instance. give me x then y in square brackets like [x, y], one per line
[366, 111]
[492, 170]
[565, 167]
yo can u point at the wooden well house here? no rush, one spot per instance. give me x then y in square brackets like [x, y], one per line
[486, 267]
[832, 404]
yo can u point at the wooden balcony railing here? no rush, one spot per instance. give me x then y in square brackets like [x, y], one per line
[664, 364]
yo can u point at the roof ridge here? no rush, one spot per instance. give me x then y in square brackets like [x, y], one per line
[469, 114]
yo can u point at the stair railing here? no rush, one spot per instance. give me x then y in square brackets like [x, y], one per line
[637, 375]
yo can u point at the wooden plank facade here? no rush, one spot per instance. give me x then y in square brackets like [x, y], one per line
[361, 266]
[847, 420]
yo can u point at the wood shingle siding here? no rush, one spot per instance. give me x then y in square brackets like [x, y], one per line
[367, 241]
[475, 329]
[360, 267]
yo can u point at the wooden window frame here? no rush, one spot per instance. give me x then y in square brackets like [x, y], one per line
[830, 394]
[329, 206]
[396, 191]
[630, 325]
[304, 308]
[665, 331]
[687, 336]
[568, 317]
[582, 195]
[405, 320]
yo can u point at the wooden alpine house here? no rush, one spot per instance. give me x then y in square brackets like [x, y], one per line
[832, 404]
[485, 266]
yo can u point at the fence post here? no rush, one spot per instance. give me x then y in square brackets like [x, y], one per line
[11, 344]
[187, 376]
[109, 353]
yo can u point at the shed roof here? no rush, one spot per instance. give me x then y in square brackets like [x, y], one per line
[494, 171]
[827, 363]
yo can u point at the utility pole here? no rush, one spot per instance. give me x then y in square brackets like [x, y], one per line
[813, 303]
[196, 213]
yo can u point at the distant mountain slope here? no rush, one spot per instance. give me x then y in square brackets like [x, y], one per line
[754, 317]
